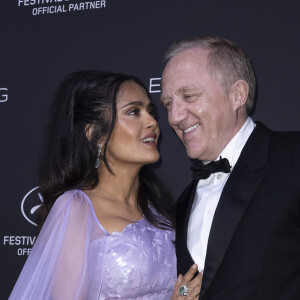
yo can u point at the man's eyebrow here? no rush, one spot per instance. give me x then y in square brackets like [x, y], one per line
[185, 89]
[164, 98]
[181, 90]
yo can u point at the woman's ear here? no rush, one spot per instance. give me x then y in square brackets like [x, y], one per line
[239, 93]
[89, 131]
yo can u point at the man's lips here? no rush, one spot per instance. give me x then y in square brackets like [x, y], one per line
[191, 128]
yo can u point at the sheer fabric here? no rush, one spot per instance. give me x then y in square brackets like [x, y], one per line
[74, 257]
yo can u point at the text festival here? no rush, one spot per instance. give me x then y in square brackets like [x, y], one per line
[60, 8]
[20, 241]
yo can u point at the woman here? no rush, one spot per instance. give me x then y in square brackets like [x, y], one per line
[107, 223]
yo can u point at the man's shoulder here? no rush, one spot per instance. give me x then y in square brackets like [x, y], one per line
[292, 137]
[285, 147]
[282, 138]
[282, 145]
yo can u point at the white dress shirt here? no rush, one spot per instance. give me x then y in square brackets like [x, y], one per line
[207, 197]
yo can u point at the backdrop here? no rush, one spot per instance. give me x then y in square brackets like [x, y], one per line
[43, 40]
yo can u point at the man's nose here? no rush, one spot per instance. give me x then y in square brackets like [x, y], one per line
[177, 113]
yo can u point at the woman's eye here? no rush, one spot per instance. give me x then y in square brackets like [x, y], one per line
[152, 111]
[134, 112]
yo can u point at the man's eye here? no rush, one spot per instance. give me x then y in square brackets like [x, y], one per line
[191, 97]
[167, 104]
[187, 97]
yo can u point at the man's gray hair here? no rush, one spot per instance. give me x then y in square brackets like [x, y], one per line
[225, 58]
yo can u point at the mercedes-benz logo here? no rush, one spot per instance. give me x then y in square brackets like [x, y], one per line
[30, 203]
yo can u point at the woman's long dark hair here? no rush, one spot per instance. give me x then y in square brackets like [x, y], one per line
[85, 99]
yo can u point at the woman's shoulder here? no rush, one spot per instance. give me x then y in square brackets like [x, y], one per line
[76, 207]
[74, 198]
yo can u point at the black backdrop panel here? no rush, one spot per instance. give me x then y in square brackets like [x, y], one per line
[43, 40]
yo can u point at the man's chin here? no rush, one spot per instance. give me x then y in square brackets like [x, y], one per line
[192, 154]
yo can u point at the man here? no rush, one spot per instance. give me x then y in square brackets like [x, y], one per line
[241, 227]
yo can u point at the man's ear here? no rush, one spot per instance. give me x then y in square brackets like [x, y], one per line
[239, 93]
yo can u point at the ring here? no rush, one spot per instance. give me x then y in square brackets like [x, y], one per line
[183, 291]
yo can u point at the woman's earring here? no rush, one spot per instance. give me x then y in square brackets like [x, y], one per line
[97, 164]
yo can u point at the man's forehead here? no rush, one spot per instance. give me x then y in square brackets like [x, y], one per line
[184, 65]
[189, 57]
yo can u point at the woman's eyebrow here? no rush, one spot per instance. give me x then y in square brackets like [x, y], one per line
[138, 103]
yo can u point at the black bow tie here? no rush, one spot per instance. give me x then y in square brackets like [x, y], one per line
[201, 171]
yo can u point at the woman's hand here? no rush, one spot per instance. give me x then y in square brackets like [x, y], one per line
[193, 285]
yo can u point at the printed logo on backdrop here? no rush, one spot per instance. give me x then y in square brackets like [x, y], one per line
[155, 85]
[50, 7]
[30, 204]
[3, 95]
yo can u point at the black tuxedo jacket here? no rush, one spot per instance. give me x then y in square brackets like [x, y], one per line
[253, 250]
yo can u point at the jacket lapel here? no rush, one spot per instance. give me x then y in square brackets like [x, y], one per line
[183, 210]
[251, 168]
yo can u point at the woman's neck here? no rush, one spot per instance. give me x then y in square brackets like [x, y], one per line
[122, 185]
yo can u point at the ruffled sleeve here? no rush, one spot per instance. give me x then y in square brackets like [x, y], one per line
[66, 259]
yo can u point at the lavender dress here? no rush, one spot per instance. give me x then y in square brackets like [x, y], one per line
[74, 257]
